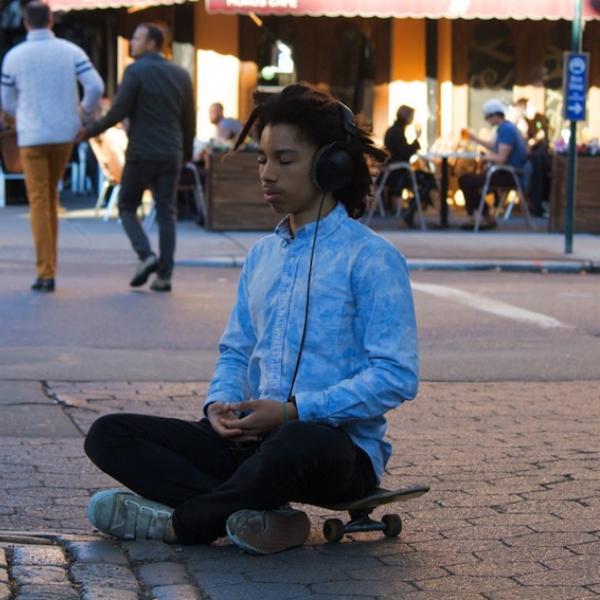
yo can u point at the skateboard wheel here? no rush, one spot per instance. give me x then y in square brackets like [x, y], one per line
[333, 530]
[393, 525]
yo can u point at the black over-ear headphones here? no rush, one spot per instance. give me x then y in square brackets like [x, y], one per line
[332, 166]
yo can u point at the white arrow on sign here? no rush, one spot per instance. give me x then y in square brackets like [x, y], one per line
[576, 108]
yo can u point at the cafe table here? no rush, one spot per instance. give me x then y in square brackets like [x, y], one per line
[444, 156]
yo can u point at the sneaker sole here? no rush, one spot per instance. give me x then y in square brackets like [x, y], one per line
[288, 532]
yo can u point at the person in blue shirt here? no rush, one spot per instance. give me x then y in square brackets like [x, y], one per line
[508, 148]
[321, 342]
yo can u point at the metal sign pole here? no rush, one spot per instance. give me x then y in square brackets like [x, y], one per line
[572, 163]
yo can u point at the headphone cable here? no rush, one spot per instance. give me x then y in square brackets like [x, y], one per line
[310, 266]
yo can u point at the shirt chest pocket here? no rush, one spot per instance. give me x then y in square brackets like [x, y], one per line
[332, 309]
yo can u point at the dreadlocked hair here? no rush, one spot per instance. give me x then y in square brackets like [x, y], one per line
[317, 117]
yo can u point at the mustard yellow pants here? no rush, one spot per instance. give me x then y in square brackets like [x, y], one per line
[43, 167]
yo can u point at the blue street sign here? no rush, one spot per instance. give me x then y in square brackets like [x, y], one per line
[575, 82]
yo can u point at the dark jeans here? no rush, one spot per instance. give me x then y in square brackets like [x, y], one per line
[472, 184]
[161, 178]
[206, 478]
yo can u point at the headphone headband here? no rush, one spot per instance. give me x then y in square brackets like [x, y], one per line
[348, 122]
[332, 168]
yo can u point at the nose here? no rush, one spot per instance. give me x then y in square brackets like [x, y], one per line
[268, 171]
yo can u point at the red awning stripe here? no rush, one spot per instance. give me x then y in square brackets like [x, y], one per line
[451, 9]
[68, 5]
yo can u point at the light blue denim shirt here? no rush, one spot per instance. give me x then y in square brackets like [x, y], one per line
[360, 356]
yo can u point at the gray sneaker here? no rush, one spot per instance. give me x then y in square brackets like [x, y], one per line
[268, 531]
[127, 516]
[145, 268]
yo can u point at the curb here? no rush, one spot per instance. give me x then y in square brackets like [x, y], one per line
[441, 264]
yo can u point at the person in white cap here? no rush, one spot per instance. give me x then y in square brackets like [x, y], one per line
[508, 148]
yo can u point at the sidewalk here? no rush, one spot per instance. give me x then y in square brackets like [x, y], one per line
[512, 514]
[511, 247]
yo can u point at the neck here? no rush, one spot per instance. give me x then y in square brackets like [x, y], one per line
[298, 220]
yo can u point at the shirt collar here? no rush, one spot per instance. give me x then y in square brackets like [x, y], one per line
[152, 56]
[327, 225]
[39, 34]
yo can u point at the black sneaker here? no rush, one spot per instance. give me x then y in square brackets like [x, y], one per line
[145, 268]
[43, 285]
[161, 285]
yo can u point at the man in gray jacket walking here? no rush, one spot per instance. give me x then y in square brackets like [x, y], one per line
[157, 97]
[39, 88]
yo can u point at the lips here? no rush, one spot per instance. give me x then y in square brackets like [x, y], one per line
[271, 195]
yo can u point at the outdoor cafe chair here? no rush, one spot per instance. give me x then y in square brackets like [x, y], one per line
[505, 200]
[378, 204]
[110, 165]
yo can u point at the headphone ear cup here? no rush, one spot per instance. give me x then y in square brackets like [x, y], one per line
[332, 167]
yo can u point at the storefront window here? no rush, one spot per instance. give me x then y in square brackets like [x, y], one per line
[491, 67]
[553, 71]
[353, 72]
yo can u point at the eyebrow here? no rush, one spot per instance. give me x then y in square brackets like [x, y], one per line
[281, 151]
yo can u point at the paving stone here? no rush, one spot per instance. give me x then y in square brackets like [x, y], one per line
[175, 592]
[3, 575]
[589, 548]
[5, 593]
[264, 591]
[561, 538]
[35, 575]
[97, 551]
[148, 550]
[162, 573]
[494, 568]
[39, 555]
[102, 592]
[2, 558]
[457, 584]
[47, 591]
[542, 593]
[346, 589]
[115, 577]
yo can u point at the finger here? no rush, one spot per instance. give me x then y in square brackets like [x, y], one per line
[227, 431]
[246, 405]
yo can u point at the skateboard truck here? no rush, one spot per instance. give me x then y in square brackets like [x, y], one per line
[360, 514]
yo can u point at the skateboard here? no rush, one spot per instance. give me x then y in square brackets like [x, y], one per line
[360, 513]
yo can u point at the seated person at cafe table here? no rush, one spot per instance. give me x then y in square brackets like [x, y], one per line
[400, 150]
[508, 148]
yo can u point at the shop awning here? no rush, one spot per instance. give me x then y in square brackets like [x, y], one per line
[434, 9]
[66, 5]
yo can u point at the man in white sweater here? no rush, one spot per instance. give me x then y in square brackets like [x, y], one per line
[39, 87]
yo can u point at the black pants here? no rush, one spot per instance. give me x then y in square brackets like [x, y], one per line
[161, 178]
[472, 184]
[206, 478]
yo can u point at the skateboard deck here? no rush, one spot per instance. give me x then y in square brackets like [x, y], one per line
[361, 509]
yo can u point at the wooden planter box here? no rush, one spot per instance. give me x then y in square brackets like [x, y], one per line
[587, 194]
[234, 199]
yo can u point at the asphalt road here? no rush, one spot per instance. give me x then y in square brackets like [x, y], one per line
[473, 326]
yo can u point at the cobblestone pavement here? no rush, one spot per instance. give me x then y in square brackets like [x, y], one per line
[513, 513]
